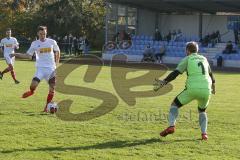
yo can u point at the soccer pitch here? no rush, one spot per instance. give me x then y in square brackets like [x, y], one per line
[128, 132]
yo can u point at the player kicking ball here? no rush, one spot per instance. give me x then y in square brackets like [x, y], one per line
[8, 46]
[47, 56]
[200, 85]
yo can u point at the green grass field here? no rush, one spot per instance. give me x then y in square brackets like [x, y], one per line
[128, 132]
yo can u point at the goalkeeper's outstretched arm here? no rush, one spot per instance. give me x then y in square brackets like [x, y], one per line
[173, 75]
[159, 84]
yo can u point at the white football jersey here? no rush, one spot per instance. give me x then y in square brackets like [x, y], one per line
[44, 52]
[9, 45]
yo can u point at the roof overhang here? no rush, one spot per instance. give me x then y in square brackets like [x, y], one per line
[184, 6]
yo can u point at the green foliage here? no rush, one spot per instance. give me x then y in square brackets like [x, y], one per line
[84, 17]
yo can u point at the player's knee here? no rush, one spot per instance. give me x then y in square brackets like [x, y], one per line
[10, 67]
[52, 82]
[201, 109]
[34, 84]
[36, 80]
[177, 103]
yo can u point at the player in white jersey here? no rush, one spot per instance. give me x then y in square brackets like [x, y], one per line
[47, 57]
[8, 46]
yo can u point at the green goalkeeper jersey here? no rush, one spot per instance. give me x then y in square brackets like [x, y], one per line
[198, 69]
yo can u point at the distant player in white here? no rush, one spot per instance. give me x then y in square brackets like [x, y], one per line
[47, 56]
[8, 46]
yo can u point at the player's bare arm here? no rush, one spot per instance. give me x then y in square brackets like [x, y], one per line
[1, 49]
[57, 57]
[21, 56]
[16, 46]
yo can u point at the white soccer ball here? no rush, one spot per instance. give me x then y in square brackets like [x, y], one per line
[52, 107]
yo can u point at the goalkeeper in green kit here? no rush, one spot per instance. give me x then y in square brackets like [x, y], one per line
[200, 85]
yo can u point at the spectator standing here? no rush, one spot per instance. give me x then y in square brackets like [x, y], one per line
[65, 44]
[169, 36]
[236, 36]
[70, 44]
[218, 36]
[179, 35]
[85, 45]
[75, 46]
[157, 35]
[116, 37]
[174, 35]
[80, 44]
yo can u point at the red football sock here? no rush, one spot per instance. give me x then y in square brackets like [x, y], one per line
[50, 97]
[13, 75]
[29, 93]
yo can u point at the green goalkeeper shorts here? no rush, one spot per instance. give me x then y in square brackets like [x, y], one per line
[188, 95]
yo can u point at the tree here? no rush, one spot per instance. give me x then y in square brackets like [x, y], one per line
[79, 17]
[76, 16]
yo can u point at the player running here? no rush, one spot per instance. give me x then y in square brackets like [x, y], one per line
[199, 86]
[8, 46]
[47, 56]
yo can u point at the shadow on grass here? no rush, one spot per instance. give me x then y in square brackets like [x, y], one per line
[181, 140]
[106, 145]
[34, 113]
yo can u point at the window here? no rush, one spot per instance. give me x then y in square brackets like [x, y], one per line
[122, 21]
[121, 10]
[121, 18]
